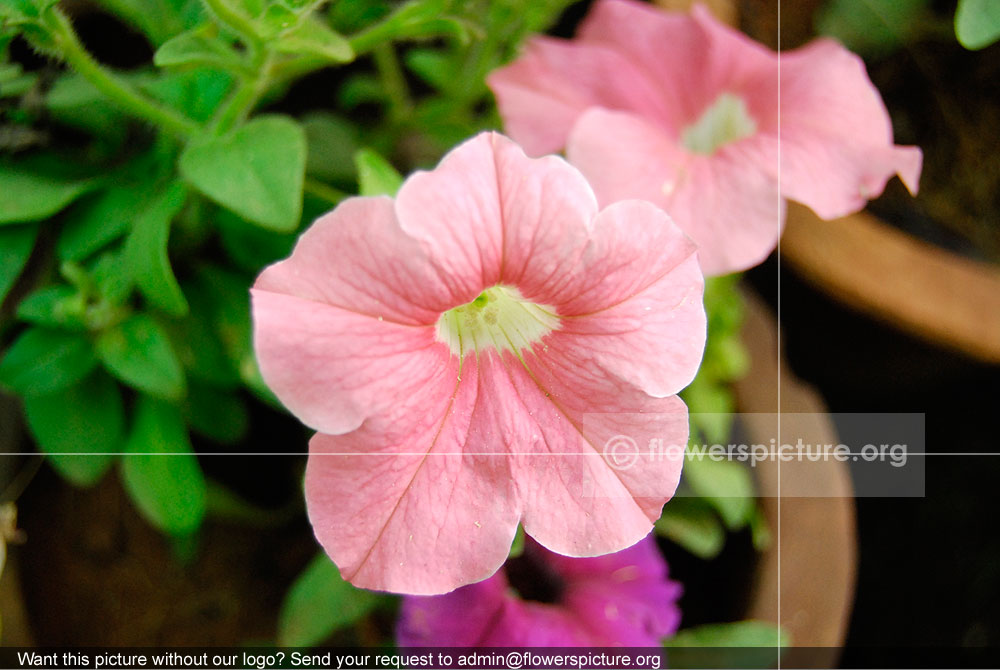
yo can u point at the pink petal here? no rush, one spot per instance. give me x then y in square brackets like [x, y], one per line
[692, 58]
[724, 202]
[357, 258]
[647, 317]
[413, 502]
[575, 501]
[836, 136]
[334, 368]
[519, 217]
[542, 93]
[454, 213]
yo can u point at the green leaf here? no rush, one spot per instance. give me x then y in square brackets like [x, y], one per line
[874, 28]
[14, 82]
[691, 523]
[712, 405]
[43, 361]
[229, 297]
[359, 89]
[161, 472]
[977, 23]
[16, 244]
[276, 19]
[30, 197]
[743, 644]
[727, 356]
[735, 634]
[376, 175]
[760, 533]
[75, 102]
[252, 8]
[196, 93]
[199, 47]
[432, 66]
[146, 251]
[199, 345]
[726, 485]
[332, 142]
[55, 307]
[312, 38]
[257, 171]
[252, 247]
[517, 546]
[351, 17]
[319, 603]
[138, 352]
[98, 220]
[112, 278]
[216, 414]
[159, 20]
[86, 419]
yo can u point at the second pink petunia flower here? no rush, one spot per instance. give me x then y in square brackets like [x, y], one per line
[691, 115]
[465, 351]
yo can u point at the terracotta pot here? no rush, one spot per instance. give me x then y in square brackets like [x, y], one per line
[920, 288]
[805, 579]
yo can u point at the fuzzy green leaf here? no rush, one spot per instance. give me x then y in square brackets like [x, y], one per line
[257, 171]
[199, 47]
[216, 414]
[332, 142]
[98, 220]
[138, 352]
[735, 634]
[726, 485]
[43, 361]
[977, 23]
[30, 197]
[691, 523]
[312, 38]
[146, 251]
[161, 472]
[319, 603]
[55, 307]
[16, 244]
[376, 175]
[86, 419]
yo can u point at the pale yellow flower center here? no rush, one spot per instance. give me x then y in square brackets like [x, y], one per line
[724, 121]
[500, 318]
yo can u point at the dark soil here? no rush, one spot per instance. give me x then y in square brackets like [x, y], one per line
[94, 573]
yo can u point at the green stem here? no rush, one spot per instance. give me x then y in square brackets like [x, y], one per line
[394, 81]
[318, 189]
[109, 84]
[245, 98]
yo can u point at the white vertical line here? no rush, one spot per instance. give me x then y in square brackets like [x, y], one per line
[778, 534]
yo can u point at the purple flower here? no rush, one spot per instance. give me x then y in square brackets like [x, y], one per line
[545, 599]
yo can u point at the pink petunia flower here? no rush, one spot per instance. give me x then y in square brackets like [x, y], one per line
[542, 599]
[466, 350]
[693, 116]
